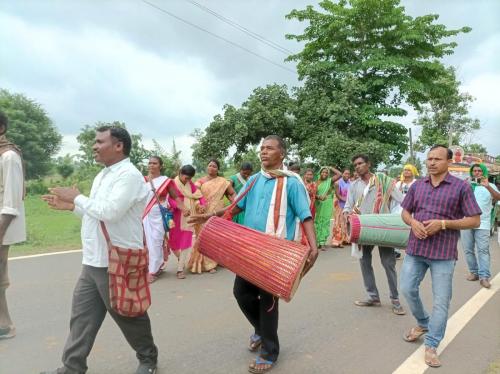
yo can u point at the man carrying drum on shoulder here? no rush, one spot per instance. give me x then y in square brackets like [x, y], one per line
[291, 199]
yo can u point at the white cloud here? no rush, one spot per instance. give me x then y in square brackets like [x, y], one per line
[88, 75]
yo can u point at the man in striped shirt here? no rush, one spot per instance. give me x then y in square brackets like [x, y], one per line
[436, 207]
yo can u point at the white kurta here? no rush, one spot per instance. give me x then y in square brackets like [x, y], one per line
[154, 231]
[11, 196]
[118, 197]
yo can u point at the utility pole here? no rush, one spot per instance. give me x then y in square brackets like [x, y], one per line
[411, 147]
[450, 136]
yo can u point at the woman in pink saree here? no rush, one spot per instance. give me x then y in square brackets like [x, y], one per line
[181, 235]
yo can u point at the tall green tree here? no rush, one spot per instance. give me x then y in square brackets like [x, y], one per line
[138, 154]
[475, 148]
[32, 130]
[361, 61]
[446, 117]
[65, 166]
[266, 111]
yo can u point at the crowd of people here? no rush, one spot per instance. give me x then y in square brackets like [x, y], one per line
[127, 210]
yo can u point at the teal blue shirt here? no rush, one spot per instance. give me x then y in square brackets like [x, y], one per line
[485, 202]
[256, 203]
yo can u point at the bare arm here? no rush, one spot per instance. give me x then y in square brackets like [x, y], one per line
[417, 227]
[337, 192]
[311, 238]
[433, 226]
[178, 200]
[494, 194]
[202, 218]
[463, 223]
[336, 174]
[230, 193]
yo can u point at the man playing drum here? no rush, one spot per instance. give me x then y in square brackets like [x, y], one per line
[273, 189]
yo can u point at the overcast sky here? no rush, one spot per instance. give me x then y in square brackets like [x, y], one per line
[106, 60]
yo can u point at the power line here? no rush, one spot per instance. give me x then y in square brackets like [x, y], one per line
[217, 36]
[237, 26]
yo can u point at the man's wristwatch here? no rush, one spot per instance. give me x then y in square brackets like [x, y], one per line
[443, 224]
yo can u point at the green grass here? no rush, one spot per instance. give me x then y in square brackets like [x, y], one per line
[494, 367]
[48, 230]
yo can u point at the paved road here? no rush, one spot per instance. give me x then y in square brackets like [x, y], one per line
[199, 328]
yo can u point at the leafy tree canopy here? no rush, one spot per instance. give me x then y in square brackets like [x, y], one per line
[475, 148]
[86, 137]
[266, 111]
[446, 115]
[65, 166]
[32, 130]
[362, 61]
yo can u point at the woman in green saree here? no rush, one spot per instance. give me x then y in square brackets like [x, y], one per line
[324, 203]
[237, 182]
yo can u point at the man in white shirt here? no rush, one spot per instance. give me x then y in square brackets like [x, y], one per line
[12, 224]
[118, 197]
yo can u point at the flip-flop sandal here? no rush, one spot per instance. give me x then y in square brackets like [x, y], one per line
[431, 359]
[255, 343]
[414, 334]
[252, 368]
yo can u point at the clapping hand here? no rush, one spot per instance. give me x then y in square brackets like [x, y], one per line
[67, 194]
[56, 203]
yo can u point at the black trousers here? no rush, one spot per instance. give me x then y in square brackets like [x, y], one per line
[261, 310]
[90, 305]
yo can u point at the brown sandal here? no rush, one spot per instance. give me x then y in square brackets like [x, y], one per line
[431, 357]
[414, 334]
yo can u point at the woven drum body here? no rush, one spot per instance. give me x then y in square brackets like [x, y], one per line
[272, 264]
[387, 230]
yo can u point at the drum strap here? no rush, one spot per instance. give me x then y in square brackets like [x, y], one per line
[227, 214]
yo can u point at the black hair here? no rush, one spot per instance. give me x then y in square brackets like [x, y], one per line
[449, 151]
[309, 170]
[294, 165]
[188, 170]
[215, 161]
[246, 166]
[121, 135]
[279, 139]
[346, 169]
[4, 121]
[158, 158]
[364, 157]
[476, 166]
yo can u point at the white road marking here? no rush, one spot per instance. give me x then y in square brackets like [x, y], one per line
[43, 255]
[415, 363]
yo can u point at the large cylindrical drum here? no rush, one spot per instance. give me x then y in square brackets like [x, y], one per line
[386, 230]
[272, 264]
